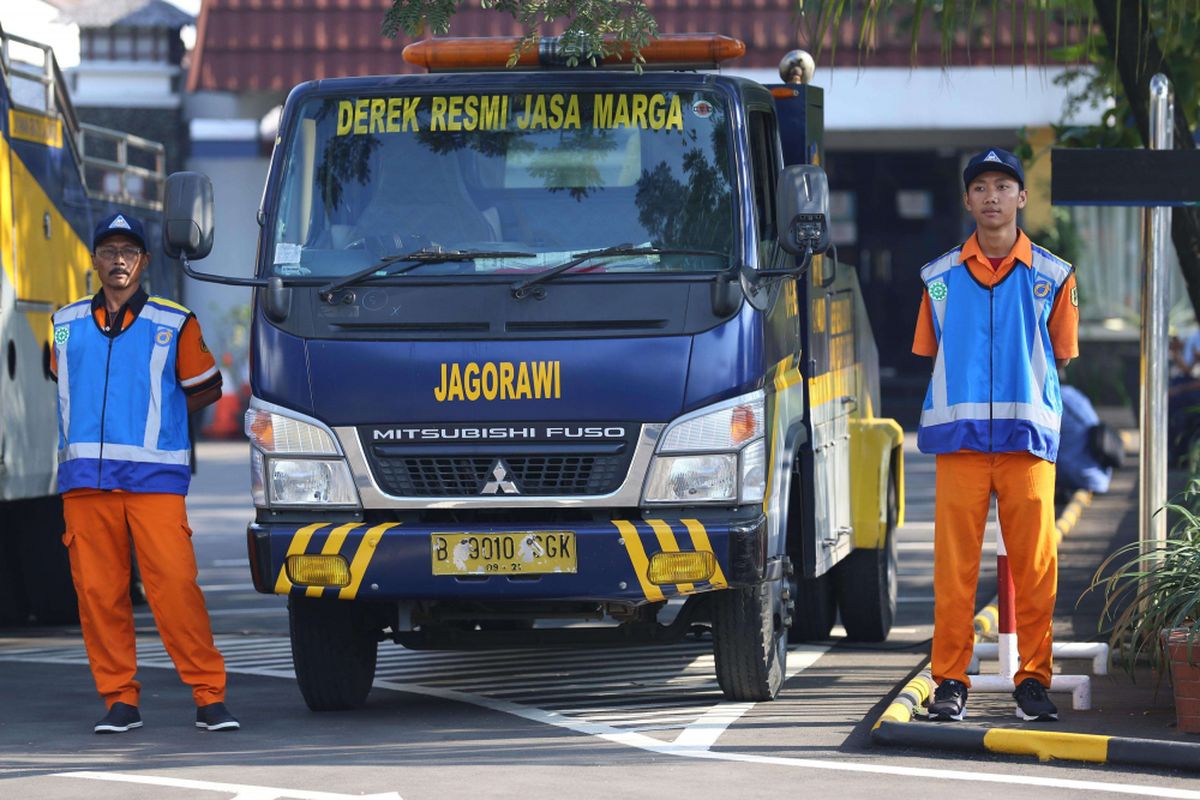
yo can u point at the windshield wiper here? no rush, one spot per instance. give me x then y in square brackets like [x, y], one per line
[522, 289]
[403, 262]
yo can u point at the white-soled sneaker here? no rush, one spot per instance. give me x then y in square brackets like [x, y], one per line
[216, 717]
[949, 701]
[121, 717]
[1033, 704]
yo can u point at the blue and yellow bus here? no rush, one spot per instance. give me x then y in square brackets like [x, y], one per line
[56, 175]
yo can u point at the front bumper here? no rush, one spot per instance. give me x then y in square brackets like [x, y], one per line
[393, 562]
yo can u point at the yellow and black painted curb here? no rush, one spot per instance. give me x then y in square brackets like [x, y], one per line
[896, 728]
[987, 621]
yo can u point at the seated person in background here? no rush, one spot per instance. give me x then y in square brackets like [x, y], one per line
[1183, 398]
[1079, 465]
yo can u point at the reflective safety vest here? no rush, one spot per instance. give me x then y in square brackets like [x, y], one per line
[122, 415]
[995, 385]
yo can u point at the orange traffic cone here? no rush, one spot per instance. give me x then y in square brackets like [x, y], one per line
[226, 420]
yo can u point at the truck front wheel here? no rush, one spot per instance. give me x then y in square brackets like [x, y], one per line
[750, 640]
[334, 646]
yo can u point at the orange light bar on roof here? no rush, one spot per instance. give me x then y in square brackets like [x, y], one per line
[692, 49]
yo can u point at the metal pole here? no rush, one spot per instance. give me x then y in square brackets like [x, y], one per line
[1156, 228]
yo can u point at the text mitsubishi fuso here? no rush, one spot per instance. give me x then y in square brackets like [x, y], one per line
[554, 356]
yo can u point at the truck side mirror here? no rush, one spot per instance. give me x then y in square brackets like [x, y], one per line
[802, 210]
[188, 215]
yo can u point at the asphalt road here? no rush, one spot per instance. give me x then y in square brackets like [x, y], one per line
[640, 722]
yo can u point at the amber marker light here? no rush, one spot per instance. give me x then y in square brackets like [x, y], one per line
[318, 570]
[259, 429]
[742, 425]
[493, 52]
[667, 568]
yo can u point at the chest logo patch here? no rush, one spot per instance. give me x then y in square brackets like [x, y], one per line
[163, 336]
[61, 334]
[938, 291]
[1041, 289]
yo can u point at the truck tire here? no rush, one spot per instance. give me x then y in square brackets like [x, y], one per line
[816, 608]
[45, 564]
[334, 649]
[750, 641]
[14, 604]
[867, 582]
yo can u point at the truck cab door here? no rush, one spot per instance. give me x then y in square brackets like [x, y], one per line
[831, 402]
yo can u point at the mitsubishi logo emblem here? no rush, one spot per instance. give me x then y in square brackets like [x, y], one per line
[500, 483]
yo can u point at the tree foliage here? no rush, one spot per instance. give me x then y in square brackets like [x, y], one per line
[595, 29]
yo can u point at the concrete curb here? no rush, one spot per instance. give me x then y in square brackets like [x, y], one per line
[895, 728]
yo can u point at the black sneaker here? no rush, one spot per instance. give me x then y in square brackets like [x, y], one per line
[216, 717]
[121, 717]
[949, 701]
[1033, 704]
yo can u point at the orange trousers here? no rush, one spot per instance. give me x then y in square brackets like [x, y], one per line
[98, 532]
[1024, 489]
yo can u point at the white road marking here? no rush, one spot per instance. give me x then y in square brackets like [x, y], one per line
[241, 791]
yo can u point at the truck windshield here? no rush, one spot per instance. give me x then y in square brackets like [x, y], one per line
[548, 175]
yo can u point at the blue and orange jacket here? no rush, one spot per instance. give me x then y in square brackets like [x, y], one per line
[994, 386]
[122, 403]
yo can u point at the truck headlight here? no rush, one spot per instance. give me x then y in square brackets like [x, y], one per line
[285, 467]
[714, 455]
[692, 479]
[310, 481]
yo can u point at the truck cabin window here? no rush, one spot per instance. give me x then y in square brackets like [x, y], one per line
[550, 174]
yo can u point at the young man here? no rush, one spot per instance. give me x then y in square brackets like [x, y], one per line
[998, 313]
[130, 368]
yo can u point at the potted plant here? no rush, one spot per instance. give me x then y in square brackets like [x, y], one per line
[1152, 596]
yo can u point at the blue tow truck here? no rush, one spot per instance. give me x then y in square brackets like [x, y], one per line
[553, 355]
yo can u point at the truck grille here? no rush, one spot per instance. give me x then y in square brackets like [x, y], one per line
[530, 459]
[466, 476]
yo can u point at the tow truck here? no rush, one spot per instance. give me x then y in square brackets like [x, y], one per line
[550, 355]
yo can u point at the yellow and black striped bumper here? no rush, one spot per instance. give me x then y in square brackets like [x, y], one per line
[392, 561]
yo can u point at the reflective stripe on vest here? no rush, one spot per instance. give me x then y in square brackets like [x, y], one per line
[122, 411]
[993, 388]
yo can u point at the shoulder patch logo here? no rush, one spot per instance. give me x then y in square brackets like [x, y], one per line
[1075, 296]
[1041, 289]
[938, 291]
[991, 156]
[61, 334]
[163, 336]
[119, 222]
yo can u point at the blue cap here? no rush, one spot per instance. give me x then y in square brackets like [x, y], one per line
[124, 224]
[993, 160]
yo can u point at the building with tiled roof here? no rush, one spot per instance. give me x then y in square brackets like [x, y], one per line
[249, 45]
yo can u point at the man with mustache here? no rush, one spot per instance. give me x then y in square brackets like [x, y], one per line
[130, 368]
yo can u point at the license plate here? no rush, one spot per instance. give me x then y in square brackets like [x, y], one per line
[516, 553]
